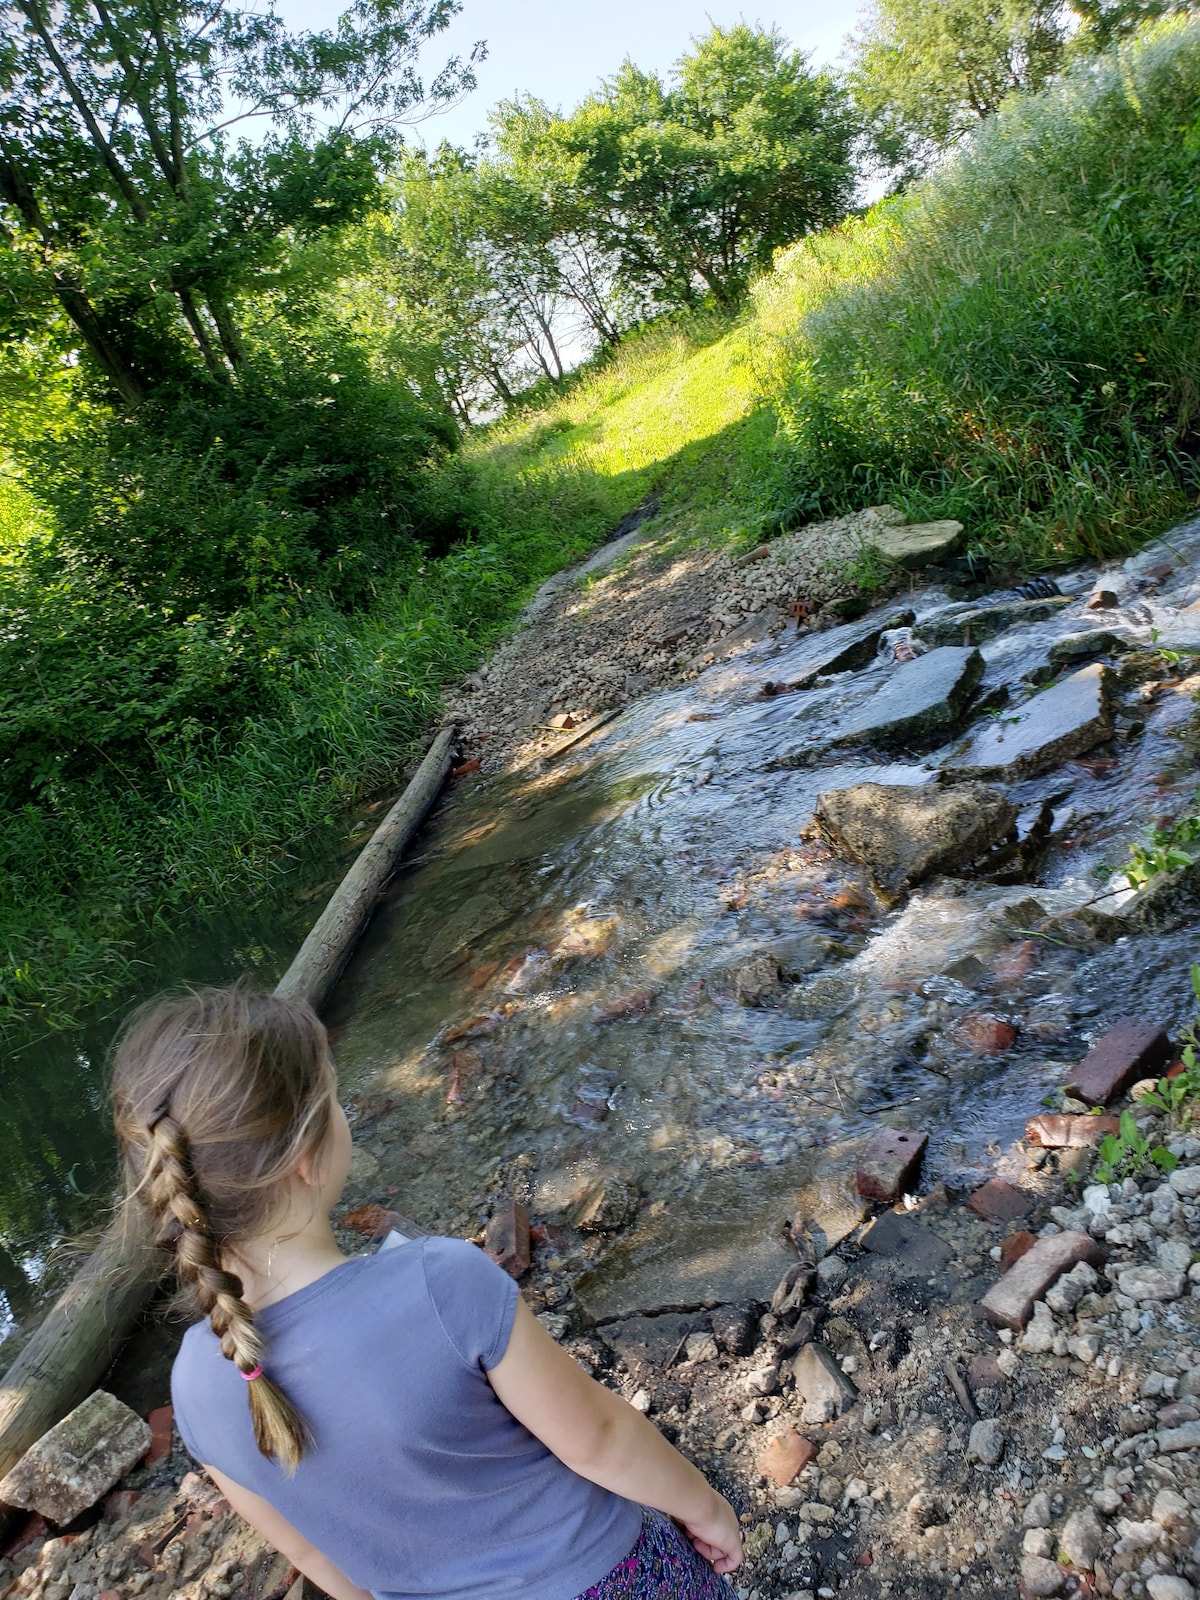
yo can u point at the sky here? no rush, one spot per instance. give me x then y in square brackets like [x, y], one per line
[559, 50]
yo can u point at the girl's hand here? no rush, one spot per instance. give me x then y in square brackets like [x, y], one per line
[718, 1536]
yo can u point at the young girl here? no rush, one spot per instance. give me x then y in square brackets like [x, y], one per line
[397, 1425]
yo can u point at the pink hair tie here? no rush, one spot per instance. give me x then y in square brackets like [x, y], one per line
[250, 1376]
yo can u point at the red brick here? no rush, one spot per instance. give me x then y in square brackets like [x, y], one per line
[1064, 1132]
[1128, 1051]
[1014, 1247]
[985, 1372]
[889, 1165]
[471, 1027]
[34, 1527]
[985, 1034]
[160, 1435]
[365, 1218]
[1101, 600]
[467, 766]
[785, 1456]
[1009, 1303]
[507, 1237]
[998, 1201]
[121, 1502]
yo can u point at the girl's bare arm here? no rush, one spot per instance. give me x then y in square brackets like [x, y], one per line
[277, 1531]
[599, 1436]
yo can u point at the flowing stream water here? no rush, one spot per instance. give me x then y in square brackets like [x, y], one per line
[554, 990]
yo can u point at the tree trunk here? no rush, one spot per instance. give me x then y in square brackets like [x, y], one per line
[231, 339]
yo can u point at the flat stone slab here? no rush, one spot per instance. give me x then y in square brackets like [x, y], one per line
[1051, 727]
[1128, 1051]
[724, 1243]
[921, 697]
[1061, 1131]
[74, 1465]
[978, 624]
[919, 543]
[889, 1165]
[850, 647]
[905, 835]
[1009, 1303]
[909, 1248]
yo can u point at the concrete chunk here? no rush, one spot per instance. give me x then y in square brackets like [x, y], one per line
[74, 1465]
[889, 1165]
[851, 646]
[822, 1385]
[921, 697]
[1128, 1051]
[920, 543]
[1063, 1132]
[1009, 1303]
[1051, 727]
[906, 834]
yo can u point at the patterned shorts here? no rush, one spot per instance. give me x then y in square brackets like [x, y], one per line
[661, 1566]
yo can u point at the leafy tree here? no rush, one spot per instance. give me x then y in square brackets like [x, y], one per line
[131, 210]
[690, 187]
[925, 72]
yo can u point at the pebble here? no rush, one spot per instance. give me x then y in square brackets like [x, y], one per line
[1081, 1539]
[1042, 1576]
[986, 1442]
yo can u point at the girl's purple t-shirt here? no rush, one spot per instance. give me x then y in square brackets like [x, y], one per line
[420, 1483]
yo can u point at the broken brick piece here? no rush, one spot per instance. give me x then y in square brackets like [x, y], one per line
[1128, 1051]
[889, 1165]
[785, 1457]
[1014, 1247]
[160, 1421]
[998, 1201]
[121, 1501]
[1068, 1132]
[365, 1218]
[1009, 1303]
[507, 1237]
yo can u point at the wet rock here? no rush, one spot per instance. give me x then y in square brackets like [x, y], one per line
[978, 624]
[888, 1167]
[850, 647]
[1080, 646]
[623, 1007]
[507, 1237]
[1065, 1132]
[785, 1457]
[1000, 1202]
[606, 1206]
[1128, 1051]
[1009, 1303]
[81, 1458]
[758, 982]
[919, 544]
[465, 926]
[1082, 1539]
[822, 1385]
[1163, 904]
[922, 697]
[986, 1442]
[905, 835]
[1041, 1576]
[1052, 727]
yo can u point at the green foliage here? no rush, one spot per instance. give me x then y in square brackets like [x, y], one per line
[924, 75]
[1167, 850]
[1178, 1098]
[1015, 342]
[1129, 1153]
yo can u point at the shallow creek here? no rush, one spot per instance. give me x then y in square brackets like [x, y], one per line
[551, 991]
[557, 987]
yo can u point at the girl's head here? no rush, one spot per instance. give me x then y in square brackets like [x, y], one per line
[221, 1097]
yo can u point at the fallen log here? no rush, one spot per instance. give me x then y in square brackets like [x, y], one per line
[335, 932]
[69, 1352]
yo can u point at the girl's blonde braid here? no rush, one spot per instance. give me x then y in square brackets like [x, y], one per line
[183, 1228]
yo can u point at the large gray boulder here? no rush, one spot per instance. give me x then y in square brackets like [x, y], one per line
[920, 698]
[905, 835]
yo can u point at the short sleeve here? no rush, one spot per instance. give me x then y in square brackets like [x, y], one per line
[474, 1299]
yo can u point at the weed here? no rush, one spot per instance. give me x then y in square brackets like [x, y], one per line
[1129, 1152]
[1167, 850]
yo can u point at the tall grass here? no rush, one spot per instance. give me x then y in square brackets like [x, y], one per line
[1017, 341]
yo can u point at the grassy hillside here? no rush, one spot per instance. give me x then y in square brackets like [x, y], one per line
[1016, 342]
